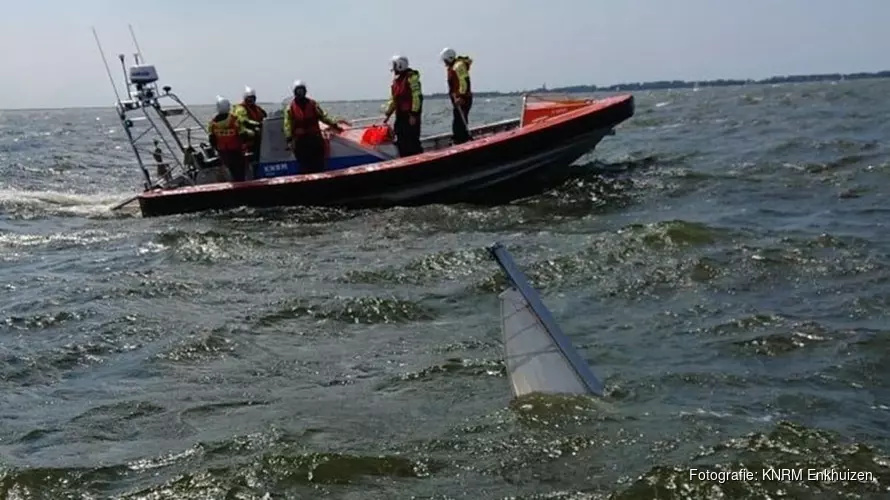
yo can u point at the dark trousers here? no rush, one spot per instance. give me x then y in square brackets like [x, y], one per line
[235, 163]
[254, 148]
[309, 152]
[407, 135]
[461, 116]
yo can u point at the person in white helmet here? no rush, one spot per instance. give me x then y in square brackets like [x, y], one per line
[406, 102]
[253, 115]
[460, 91]
[248, 109]
[228, 135]
[302, 131]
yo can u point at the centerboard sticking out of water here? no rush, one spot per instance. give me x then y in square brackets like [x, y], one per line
[540, 358]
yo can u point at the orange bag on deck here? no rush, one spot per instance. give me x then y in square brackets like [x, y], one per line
[376, 135]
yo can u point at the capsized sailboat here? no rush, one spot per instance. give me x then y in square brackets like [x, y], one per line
[540, 358]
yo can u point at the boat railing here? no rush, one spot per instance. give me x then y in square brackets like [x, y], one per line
[555, 98]
[367, 122]
[536, 107]
[168, 139]
[444, 139]
[177, 137]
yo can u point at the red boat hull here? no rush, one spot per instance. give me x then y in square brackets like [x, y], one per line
[495, 169]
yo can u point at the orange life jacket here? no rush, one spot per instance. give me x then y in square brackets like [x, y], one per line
[305, 121]
[227, 134]
[401, 92]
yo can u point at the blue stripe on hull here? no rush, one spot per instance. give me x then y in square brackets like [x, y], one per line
[292, 167]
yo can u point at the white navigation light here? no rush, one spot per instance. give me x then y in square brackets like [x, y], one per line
[143, 74]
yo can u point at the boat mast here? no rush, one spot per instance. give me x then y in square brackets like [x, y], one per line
[138, 55]
[121, 111]
[164, 113]
[143, 96]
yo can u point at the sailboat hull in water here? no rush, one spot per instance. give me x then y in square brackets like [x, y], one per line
[539, 357]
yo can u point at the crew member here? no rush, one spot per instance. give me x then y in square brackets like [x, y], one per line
[228, 134]
[303, 132]
[458, 71]
[406, 101]
[253, 115]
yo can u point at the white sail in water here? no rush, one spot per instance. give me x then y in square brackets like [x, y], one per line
[534, 362]
[538, 355]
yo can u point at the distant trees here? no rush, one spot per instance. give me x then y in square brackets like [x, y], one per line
[681, 84]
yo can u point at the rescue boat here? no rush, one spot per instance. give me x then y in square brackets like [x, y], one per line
[504, 161]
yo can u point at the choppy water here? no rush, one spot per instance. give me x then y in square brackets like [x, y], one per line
[723, 261]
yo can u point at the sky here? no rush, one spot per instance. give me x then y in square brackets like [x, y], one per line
[342, 48]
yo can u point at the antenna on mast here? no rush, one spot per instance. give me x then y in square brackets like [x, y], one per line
[107, 69]
[126, 76]
[139, 59]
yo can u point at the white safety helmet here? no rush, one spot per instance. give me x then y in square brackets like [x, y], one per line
[222, 105]
[249, 92]
[297, 84]
[399, 63]
[448, 55]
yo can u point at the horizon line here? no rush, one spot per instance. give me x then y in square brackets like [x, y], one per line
[583, 88]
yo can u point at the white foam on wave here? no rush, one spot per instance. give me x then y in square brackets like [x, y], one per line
[27, 202]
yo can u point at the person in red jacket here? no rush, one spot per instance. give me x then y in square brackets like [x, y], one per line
[228, 134]
[406, 101]
[303, 132]
[460, 91]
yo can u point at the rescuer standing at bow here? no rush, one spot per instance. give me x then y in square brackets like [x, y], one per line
[228, 134]
[303, 132]
[406, 101]
[458, 71]
[253, 115]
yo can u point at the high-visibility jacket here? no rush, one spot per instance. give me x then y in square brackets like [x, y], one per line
[228, 131]
[459, 78]
[405, 94]
[252, 112]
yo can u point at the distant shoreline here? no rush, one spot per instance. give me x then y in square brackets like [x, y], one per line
[589, 89]
[680, 84]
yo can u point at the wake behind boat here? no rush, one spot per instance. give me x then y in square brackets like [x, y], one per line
[505, 160]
